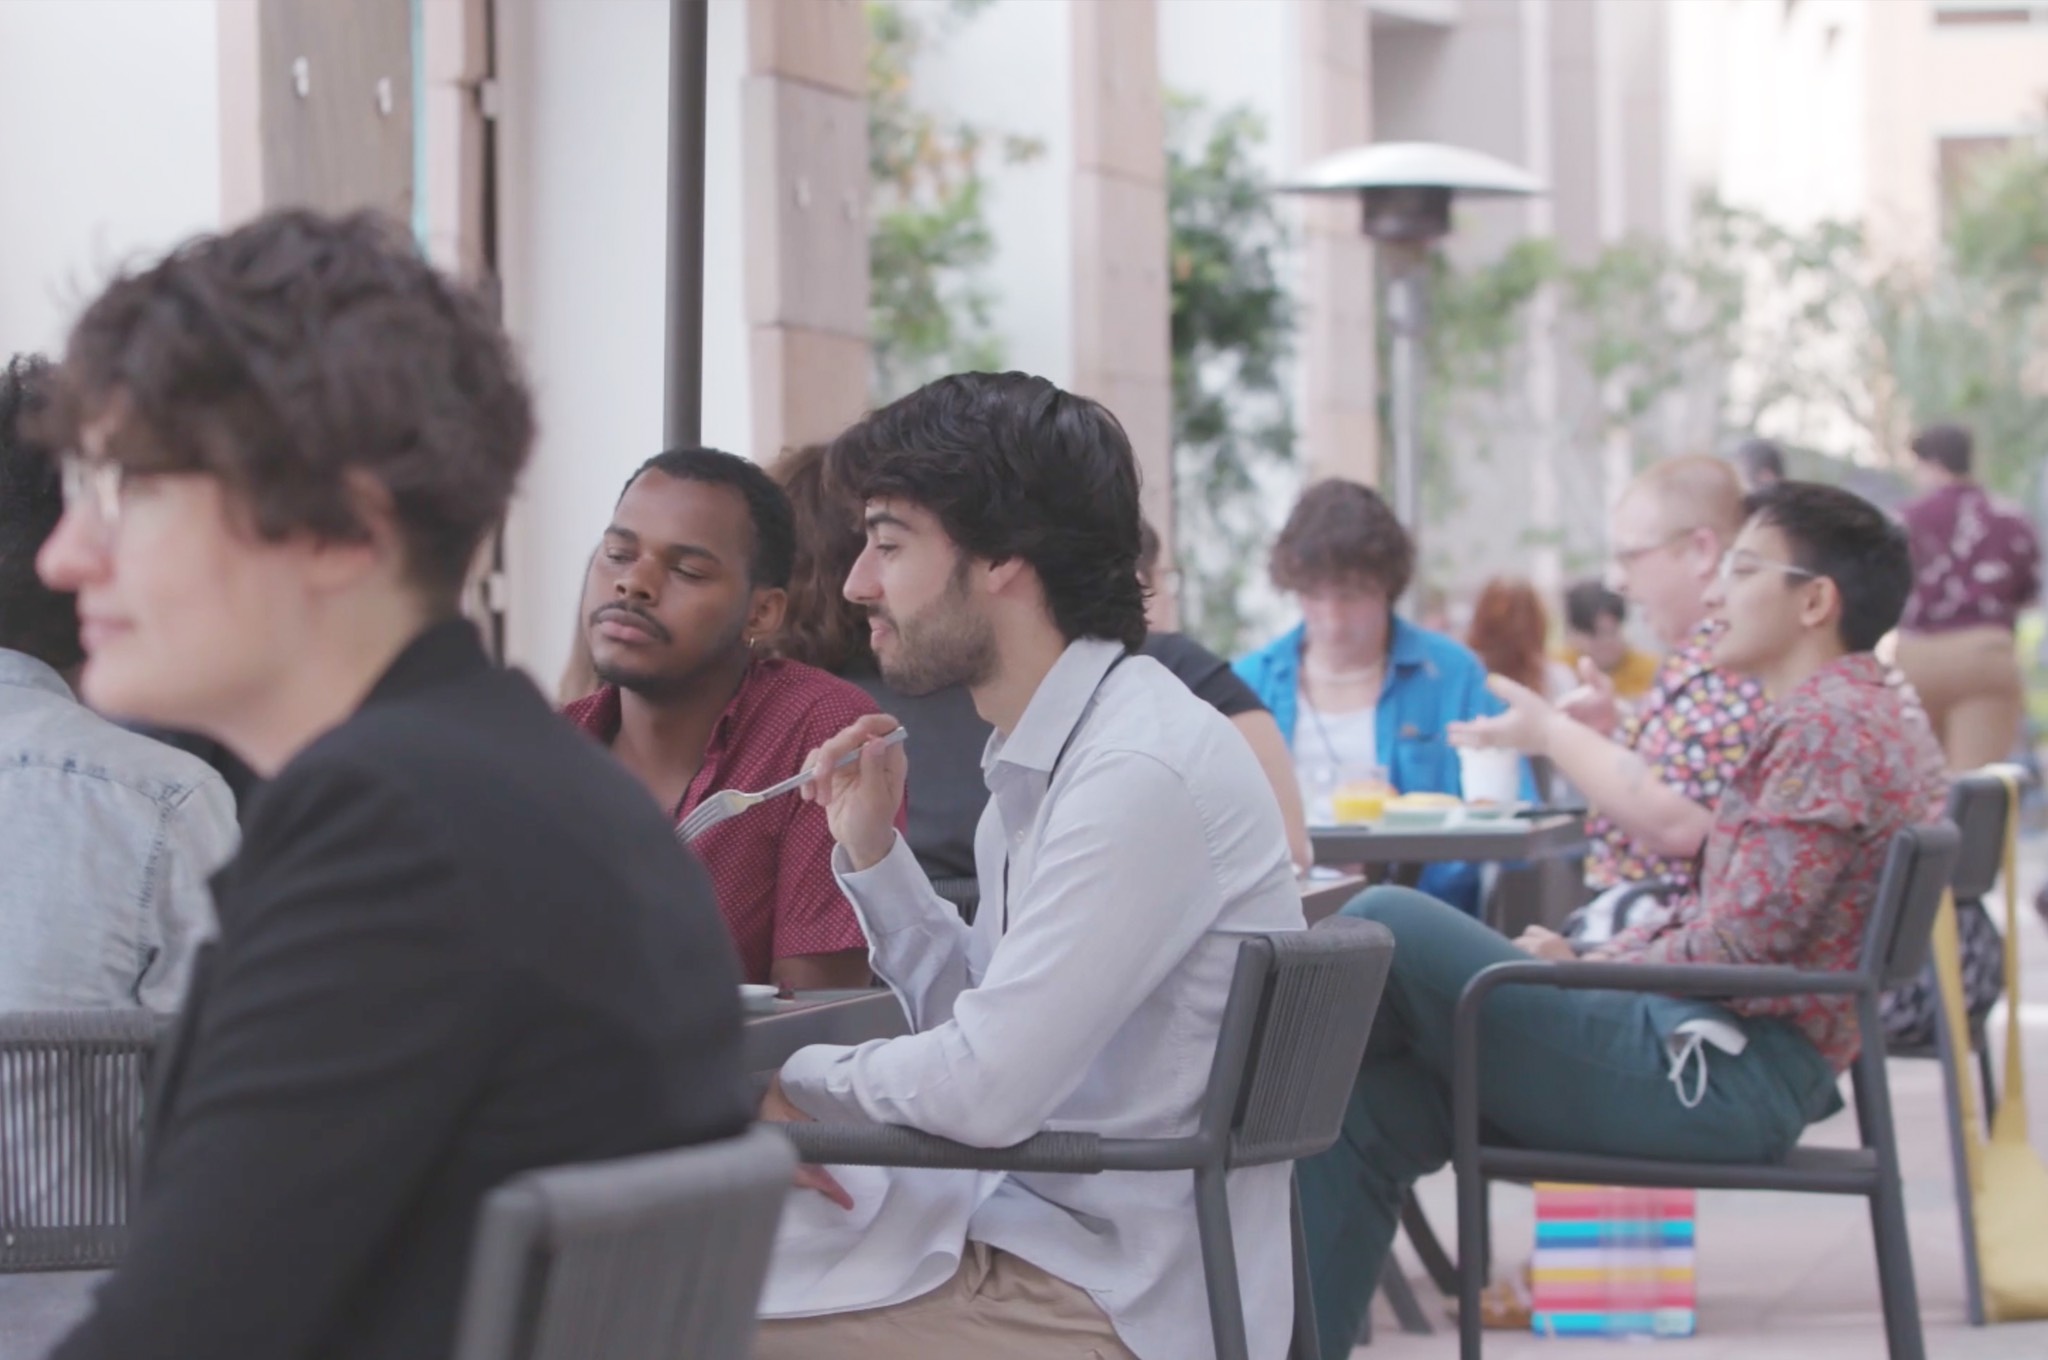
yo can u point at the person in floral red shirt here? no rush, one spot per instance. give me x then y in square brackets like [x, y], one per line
[1652, 771]
[1844, 762]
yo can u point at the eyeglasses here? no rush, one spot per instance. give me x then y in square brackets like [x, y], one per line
[97, 482]
[1738, 563]
[1628, 557]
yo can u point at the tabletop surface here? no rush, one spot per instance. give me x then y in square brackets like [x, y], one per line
[1556, 835]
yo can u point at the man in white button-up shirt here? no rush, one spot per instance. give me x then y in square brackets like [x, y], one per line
[1129, 843]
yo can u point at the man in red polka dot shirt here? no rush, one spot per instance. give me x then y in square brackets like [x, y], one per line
[690, 576]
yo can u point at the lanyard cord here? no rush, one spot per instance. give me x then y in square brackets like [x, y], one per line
[1121, 657]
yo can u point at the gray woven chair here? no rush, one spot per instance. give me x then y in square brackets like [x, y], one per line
[647, 1258]
[1896, 944]
[1294, 1029]
[71, 1094]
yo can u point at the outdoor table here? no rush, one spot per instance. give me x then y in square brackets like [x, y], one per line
[834, 1017]
[1545, 892]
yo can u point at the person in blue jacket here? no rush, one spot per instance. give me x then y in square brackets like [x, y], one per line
[1355, 687]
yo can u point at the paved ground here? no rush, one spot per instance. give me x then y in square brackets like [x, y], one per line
[1793, 1277]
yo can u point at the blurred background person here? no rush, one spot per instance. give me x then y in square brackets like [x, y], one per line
[1976, 565]
[1510, 633]
[1354, 688]
[456, 943]
[107, 835]
[1761, 463]
[1596, 631]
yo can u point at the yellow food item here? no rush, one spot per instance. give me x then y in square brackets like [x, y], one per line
[1362, 802]
[1424, 802]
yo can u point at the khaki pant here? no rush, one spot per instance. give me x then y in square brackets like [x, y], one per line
[996, 1307]
[1969, 681]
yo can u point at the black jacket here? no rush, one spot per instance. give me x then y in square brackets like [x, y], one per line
[458, 943]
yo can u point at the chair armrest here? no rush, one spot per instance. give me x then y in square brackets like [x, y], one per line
[895, 1145]
[1669, 979]
[1711, 980]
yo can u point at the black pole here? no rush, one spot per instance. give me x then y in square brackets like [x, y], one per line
[683, 423]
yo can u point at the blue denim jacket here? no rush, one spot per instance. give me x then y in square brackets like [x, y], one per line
[1431, 683]
[107, 839]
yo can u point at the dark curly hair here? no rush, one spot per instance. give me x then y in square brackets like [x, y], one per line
[767, 507]
[1839, 535]
[1343, 533]
[1013, 466]
[293, 357]
[33, 618]
[822, 627]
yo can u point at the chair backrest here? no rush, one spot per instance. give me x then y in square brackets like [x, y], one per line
[1978, 804]
[1917, 870]
[1294, 1029]
[71, 1094]
[648, 1258]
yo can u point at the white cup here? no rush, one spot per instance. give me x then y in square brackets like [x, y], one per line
[1490, 775]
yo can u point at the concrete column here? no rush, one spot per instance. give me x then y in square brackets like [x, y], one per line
[1339, 417]
[1122, 305]
[455, 52]
[806, 214]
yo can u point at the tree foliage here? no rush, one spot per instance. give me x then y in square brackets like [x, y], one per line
[1746, 325]
[930, 307]
[1233, 332]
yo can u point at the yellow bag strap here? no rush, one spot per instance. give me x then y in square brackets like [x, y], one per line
[2010, 1124]
[1948, 977]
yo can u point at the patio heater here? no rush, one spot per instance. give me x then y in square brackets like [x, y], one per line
[1405, 189]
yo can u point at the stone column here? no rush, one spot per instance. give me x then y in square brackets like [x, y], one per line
[805, 140]
[1339, 416]
[1122, 306]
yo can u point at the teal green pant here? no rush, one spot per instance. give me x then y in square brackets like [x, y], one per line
[1559, 1070]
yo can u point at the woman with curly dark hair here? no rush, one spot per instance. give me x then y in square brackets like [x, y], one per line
[822, 628]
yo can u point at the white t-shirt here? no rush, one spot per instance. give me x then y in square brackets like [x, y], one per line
[1331, 749]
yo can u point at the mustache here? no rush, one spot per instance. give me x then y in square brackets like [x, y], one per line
[640, 617]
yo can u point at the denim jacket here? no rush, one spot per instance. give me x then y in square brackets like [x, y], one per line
[108, 839]
[1431, 683]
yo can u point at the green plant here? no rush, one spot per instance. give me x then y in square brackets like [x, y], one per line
[930, 243]
[1233, 330]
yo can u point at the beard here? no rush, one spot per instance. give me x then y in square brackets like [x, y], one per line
[946, 643]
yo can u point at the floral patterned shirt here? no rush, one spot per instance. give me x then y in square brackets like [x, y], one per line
[1839, 767]
[1693, 730]
[1976, 561]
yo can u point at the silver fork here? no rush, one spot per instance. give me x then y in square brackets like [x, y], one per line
[726, 804]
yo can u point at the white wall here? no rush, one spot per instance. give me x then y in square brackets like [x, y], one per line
[1010, 68]
[583, 203]
[112, 148]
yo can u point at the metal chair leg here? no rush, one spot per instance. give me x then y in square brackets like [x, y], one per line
[1899, 1295]
[1427, 1245]
[1219, 1264]
[1401, 1295]
[1306, 1345]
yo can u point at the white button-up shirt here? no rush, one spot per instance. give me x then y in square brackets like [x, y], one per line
[1130, 839]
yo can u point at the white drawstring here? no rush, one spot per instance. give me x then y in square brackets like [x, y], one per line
[1691, 1046]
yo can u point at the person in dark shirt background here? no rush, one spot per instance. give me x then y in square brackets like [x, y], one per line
[1213, 679]
[458, 942]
